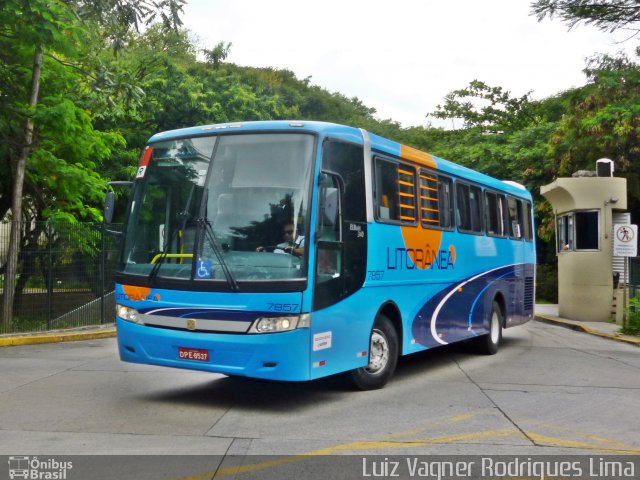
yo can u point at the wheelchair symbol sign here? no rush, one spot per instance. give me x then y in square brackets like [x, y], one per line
[203, 269]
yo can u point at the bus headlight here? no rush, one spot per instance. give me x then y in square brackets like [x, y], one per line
[128, 314]
[280, 324]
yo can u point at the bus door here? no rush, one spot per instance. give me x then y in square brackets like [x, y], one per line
[341, 231]
[340, 260]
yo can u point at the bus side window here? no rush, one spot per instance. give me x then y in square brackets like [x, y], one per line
[395, 192]
[469, 208]
[445, 197]
[495, 206]
[436, 202]
[475, 203]
[528, 221]
[429, 200]
[330, 209]
[463, 211]
[515, 218]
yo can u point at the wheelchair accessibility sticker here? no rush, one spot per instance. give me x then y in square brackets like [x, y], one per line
[204, 269]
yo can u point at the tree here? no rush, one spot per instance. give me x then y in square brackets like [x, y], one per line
[491, 109]
[39, 24]
[607, 15]
[604, 121]
[218, 54]
[56, 27]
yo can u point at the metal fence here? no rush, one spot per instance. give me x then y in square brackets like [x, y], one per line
[65, 275]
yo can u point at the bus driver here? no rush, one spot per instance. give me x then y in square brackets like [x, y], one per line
[293, 242]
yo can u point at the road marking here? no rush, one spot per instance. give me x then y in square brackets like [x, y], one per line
[561, 442]
[351, 447]
[454, 419]
[605, 444]
[610, 446]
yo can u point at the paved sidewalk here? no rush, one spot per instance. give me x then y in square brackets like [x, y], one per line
[549, 314]
[84, 333]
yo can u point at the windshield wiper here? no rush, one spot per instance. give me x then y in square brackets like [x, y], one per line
[215, 246]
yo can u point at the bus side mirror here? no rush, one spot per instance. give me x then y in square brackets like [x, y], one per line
[109, 203]
[110, 200]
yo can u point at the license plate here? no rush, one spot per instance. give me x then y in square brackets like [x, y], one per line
[197, 354]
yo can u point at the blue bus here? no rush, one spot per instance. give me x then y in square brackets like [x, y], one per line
[294, 250]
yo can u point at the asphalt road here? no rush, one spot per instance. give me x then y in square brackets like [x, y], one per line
[548, 391]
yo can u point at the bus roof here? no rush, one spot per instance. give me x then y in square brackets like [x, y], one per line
[378, 143]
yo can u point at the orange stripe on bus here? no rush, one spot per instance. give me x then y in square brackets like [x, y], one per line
[415, 155]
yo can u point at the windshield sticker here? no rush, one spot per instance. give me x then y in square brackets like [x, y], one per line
[144, 161]
[203, 269]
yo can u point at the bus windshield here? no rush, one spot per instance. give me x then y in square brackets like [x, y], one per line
[226, 209]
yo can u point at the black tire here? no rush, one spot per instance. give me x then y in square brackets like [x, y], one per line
[383, 357]
[490, 343]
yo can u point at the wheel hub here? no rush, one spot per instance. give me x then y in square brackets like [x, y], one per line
[378, 352]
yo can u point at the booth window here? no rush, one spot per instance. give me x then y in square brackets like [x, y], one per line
[579, 231]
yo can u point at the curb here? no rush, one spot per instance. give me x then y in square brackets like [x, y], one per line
[17, 340]
[581, 328]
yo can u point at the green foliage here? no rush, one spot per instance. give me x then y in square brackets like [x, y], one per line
[70, 160]
[603, 121]
[488, 108]
[107, 87]
[632, 326]
[217, 54]
[608, 15]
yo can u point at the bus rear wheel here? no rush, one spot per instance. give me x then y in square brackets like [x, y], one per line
[490, 343]
[383, 357]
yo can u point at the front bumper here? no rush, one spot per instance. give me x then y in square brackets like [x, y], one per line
[274, 356]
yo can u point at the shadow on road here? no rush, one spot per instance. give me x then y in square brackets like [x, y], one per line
[286, 397]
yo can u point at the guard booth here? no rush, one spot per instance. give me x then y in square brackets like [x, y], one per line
[590, 278]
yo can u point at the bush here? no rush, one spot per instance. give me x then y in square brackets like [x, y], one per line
[632, 326]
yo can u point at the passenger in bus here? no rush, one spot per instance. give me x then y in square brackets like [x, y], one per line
[293, 242]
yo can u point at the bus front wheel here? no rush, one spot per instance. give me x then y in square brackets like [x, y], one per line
[488, 344]
[383, 357]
